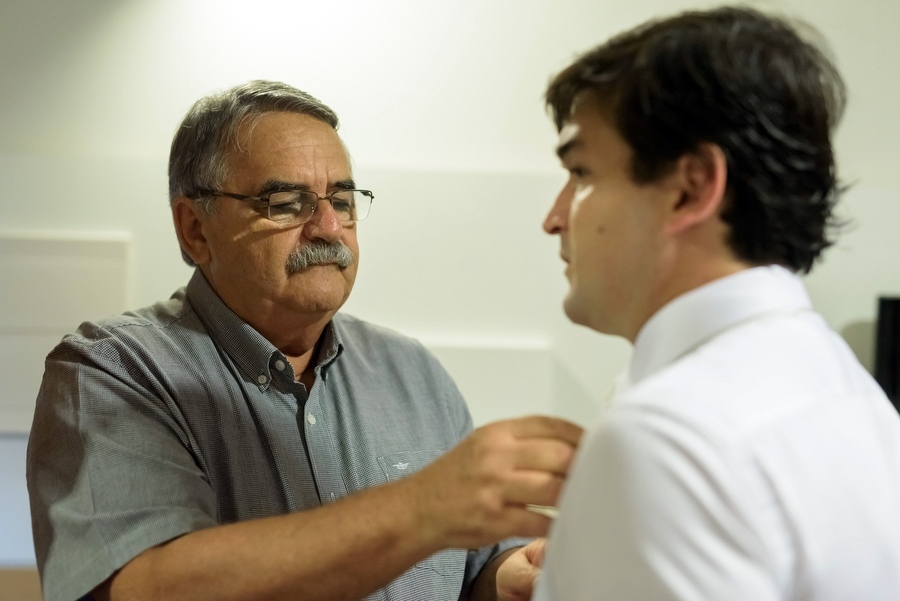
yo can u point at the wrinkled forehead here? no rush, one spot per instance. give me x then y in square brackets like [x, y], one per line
[284, 133]
[289, 149]
[245, 132]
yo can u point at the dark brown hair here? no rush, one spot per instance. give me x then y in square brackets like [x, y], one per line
[745, 81]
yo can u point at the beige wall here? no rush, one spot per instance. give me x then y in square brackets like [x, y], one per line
[441, 108]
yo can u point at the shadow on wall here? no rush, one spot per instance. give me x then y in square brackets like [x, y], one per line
[860, 337]
[573, 401]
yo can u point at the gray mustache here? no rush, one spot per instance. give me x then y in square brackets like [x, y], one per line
[319, 253]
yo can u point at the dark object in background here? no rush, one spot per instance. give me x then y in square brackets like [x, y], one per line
[887, 348]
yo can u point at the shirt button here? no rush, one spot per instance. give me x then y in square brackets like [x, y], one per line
[311, 419]
[279, 365]
[262, 379]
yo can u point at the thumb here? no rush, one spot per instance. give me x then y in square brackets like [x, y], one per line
[535, 553]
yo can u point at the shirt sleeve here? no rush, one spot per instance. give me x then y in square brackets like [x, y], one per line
[653, 510]
[109, 471]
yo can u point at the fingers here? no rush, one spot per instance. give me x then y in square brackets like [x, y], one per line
[534, 552]
[540, 426]
[477, 493]
[525, 461]
[546, 455]
[517, 575]
[534, 442]
[521, 522]
[529, 487]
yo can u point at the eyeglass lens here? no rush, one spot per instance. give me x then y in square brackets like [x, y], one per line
[298, 206]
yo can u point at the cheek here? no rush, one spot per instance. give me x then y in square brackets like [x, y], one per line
[579, 197]
[585, 213]
[267, 252]
[350, 240]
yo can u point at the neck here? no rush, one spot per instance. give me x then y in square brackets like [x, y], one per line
[305, 366]
[690, 275]
[299, 344]
[291, 329]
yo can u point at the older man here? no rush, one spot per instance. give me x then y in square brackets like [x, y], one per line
[243, 440]
[747, 455]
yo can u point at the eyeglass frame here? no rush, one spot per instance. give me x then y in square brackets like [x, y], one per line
[265, 200]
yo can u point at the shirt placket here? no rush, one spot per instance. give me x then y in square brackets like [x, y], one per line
[320, 443]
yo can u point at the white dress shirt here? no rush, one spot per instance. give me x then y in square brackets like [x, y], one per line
[747, 456]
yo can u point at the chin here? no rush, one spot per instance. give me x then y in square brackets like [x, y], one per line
[574, 309]
[588, 312]
[313, 298]
[322, 298]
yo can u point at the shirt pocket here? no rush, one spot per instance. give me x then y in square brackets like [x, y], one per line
[404, 463]
[444, 570]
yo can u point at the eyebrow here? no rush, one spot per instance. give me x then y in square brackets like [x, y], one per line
[277, 185]
[563, 149]
[346, 184]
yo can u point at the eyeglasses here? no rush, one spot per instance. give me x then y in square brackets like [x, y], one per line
[296, 207]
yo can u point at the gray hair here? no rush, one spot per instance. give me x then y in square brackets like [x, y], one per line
[198, 160]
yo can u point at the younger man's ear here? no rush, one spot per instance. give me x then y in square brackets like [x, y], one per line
[703, 174]
[189, 229]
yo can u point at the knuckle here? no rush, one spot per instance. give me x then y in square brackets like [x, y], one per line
[564, 455]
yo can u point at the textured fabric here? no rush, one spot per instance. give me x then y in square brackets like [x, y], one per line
[747, 456]
[180, 416]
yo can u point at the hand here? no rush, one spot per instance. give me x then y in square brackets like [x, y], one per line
[475, 495]
[517, 575]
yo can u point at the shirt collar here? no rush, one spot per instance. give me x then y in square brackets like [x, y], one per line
[250, 350]
[697, 316]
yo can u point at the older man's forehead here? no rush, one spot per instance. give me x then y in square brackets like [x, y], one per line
[282, 132]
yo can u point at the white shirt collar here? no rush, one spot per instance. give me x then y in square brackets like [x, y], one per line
[700, 314]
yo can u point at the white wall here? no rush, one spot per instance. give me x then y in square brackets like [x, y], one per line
[441, 107]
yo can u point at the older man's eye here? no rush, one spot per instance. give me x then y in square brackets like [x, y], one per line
[291, 206]
[342, 206]
[289, 200]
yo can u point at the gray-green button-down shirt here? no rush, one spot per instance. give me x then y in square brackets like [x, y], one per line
[180, 416]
